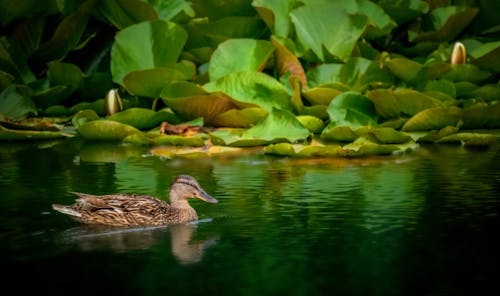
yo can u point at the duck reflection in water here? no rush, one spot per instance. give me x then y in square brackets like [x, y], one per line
[101, 237]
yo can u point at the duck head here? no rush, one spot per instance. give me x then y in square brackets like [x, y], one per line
[184, 187]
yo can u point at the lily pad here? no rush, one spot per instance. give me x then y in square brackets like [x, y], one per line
[244, 118]
[433, 119]
[275, 14]
[487, 56]
[312, 123]
[471, 139]
[482, 115]
[195, 152]
[7, 134]
[176, 140]
[237, 55]
[253, 88]
[16, 103]
[348, 112]
[287, 62]
[146, 45]
[364, 147]
[393, 103]
[279, 126]
[105, 130]
[84, 116]
[387, 135]
[141, 118]
[314, 22]
[150, 82]
[321, 95]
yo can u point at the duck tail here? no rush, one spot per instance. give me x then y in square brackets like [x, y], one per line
[66, 210]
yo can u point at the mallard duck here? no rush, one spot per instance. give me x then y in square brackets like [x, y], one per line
[138, 210]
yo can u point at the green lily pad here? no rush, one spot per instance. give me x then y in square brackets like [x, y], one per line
[487, 56]
[365, 147]
[105, 130]
[16, 103]
[321, 95]
[466, 72]
[279, 126]
[356, 74]
[393, 103]
[146, 45]
[405, 69]
[7, 134]
[150, 82]
[348, 112]
[141, 118]
[126, 13]
[433, 119]
[84, 116]
[275, 14]
[254, 88]
[481, 115]
[312, 123]
[288, 63]
[447, 22]
[195, 152]
[177, 140]
[237, 55]
[434, 135]
[471, 139]
[387, 135]
[244, 118]
[314, 22]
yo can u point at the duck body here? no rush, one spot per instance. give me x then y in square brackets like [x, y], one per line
[138, 210]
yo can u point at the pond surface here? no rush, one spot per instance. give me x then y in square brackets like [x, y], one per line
[424, 223]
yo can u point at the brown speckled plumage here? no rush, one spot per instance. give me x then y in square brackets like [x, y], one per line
[138, 210]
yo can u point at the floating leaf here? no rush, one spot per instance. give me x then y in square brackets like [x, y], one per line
[279, 126]
[141, 118]
[105, 130]
[321, 95]
[176, 140]
[487, 56]
[471, 139]
[447, 23]
[254, 88]
[466, 72]
[195, 152]
[393, 103]
[123, 13]
[405, 69]
[364, 147]
[433, 119]
[481, 115]
[404, 11]
[145, 46]
[327, 25]
[244, 118]
[150, 82]
[348, 112]
[357, 74]
[237, 55]
[7, 134]
[312, 123]
[275, 14]
[16, 103]
[84, 116]
[387, 135]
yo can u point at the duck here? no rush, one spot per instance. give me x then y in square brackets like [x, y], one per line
[138, 210]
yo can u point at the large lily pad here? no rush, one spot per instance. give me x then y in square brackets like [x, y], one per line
[244, 118]
[481, 115]
[394, 103]
[487, 56]
[123, 13]
[144, 46]
[237, 55]
[348, 112]
[150, 82]
[141, 118]
[314, 23]
[105, 130]
[433, 119]
[7, 134]
[279, 126]
[253, 88]
[16, 103]
[275, 14]
[356, 74]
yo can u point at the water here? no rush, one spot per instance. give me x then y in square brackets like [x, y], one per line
[425, 223]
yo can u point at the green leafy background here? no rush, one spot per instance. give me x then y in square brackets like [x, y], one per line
[337, 78]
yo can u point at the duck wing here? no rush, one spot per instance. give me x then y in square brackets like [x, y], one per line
[116, 209]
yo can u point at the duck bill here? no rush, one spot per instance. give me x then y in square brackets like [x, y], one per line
[206, 197]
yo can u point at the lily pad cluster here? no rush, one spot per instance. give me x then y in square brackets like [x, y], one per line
[301, 78]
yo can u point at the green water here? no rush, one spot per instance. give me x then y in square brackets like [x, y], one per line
[425, 223]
